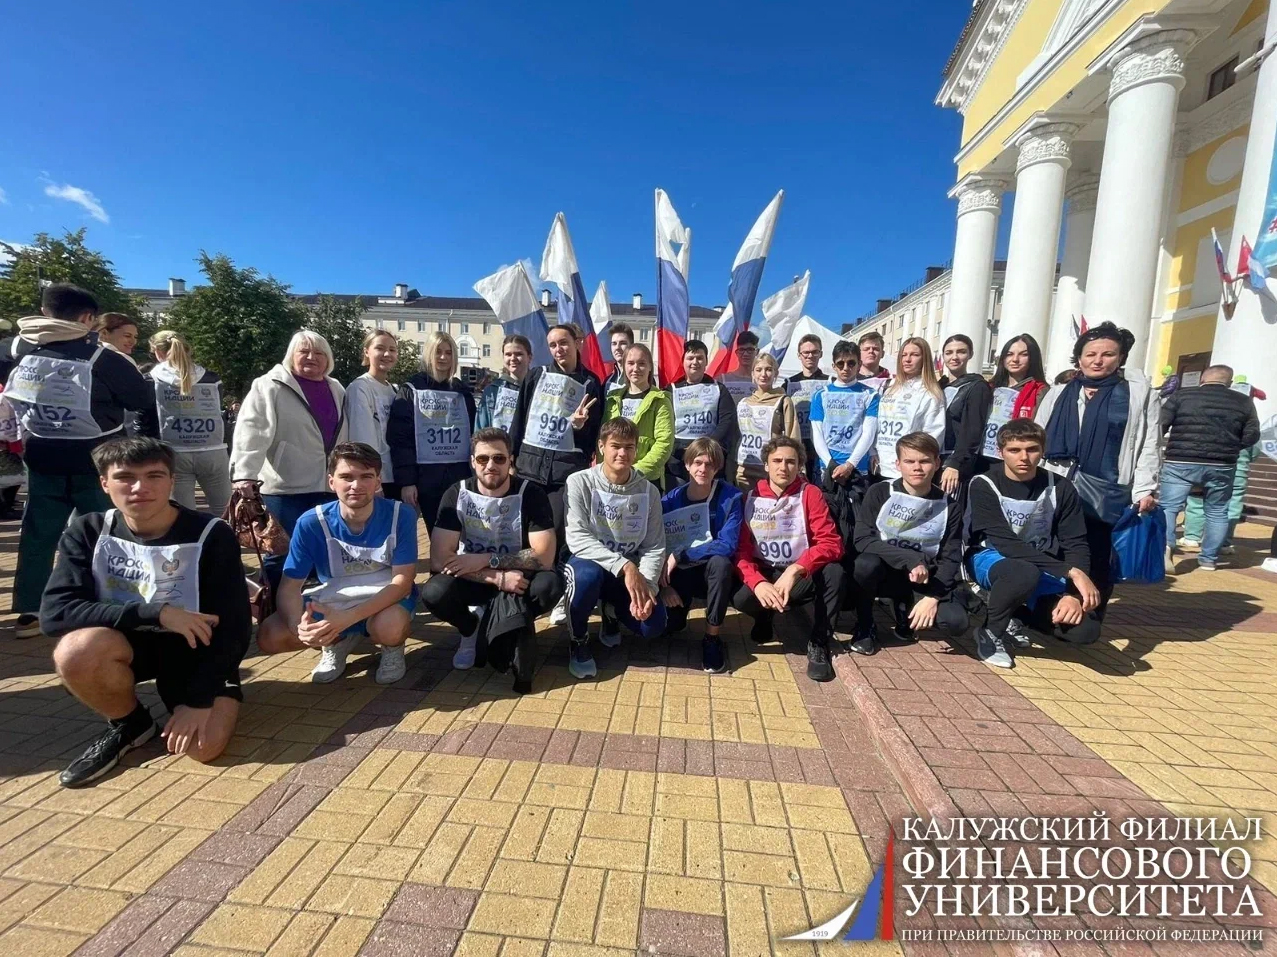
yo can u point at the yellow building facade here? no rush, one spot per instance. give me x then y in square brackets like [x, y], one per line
[1122, 130]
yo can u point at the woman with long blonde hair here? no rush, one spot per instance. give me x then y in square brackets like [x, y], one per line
[188, 405]
[913, 402]
[431, 420]
[368, 401]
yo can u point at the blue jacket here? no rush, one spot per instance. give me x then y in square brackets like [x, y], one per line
[487, 403]
[726, 512]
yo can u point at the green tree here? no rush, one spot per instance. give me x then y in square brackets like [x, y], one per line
[62, 260]
[339, 321]
[238, 324]
[409, 362]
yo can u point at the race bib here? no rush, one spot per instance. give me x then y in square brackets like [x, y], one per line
[630, 407]
[895, 414]
[695, 410]
[755, 423]
[442, 427]
[999, 415]
[619, 520]
[503, 412]
[779, 527]
[915, 523]
[688, 527]
[802, 391]
[553, 403]
[490, 525]
[739, 388]
[1268, 438]
[53, 397]
[191, 422]
[844, 414]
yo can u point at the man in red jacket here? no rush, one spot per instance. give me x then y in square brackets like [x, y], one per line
[789, 553]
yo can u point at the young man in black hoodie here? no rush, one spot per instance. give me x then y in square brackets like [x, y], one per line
[967, 400]
[908, 548]
[70, 394]
[150, 589]
[1028, 547]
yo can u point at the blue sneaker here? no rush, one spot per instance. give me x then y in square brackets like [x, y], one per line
[712, 659]
[580, 661]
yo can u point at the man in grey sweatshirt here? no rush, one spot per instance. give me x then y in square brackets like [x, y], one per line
[616, 540]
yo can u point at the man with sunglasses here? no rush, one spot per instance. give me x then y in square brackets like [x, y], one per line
[802, 386]
[844, 424]
[493, 549]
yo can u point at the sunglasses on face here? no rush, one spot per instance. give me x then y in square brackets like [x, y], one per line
[483, 460]
[846, 364]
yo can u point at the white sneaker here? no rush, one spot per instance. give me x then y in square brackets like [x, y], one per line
[392, 666]
[463, 660]
[560, 613]
[332, 660]
[1168, 561]
[1269, 565]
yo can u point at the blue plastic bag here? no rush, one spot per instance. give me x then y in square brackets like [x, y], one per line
[1139, 547]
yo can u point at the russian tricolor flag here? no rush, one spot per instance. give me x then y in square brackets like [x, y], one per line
[559, 266]
[601, 316]
[747, 273]
[509, 292]
[782, 312]
[673, 257]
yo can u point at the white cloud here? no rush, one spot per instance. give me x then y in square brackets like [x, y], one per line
[4, 198]
[81, 197]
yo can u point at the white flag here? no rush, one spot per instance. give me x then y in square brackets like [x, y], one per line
[782, 312]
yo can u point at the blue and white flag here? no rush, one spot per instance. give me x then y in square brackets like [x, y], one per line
[509, 292]
[782, 312]
[747, 270]
[559, 266]
[673, 259]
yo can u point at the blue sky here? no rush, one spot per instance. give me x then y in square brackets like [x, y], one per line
[345, 147]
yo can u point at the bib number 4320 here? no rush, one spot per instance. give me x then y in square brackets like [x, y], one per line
[194, 426]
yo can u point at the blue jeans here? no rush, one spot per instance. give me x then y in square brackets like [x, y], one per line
[587, 583]
[287, 509]
[1217, 481]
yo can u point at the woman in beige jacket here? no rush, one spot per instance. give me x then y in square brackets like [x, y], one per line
[765, 413]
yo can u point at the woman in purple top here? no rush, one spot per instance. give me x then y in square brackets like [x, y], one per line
[288, 423]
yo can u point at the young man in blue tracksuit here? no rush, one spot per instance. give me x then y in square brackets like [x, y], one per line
[702, 530]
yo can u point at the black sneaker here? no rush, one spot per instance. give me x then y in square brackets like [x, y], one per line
[864, 639]
[525, 653]
[761, 633]
[103, 754]
[1017, 634]
[712, 658]
[819, 667]
[992, 650]
[27, 626]
[903, 630]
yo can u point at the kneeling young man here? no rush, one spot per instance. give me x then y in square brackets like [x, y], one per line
[617, 544]
[363, 550]
[1028, 548]
[909, 549]
[148, 589]
[702, 529]
[494, 537]
[789, 552]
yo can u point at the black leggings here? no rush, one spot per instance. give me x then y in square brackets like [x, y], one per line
[1099, 539]
[712, 581]
[822, 590]
[874, 578]
[432, 482]
[1011, 582]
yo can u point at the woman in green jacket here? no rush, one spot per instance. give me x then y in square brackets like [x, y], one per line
[647, 407]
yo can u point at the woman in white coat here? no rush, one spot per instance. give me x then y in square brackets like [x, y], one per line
[913, 402]
[288, 423]
[1103, 430]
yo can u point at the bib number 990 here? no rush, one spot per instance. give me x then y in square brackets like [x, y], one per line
[776, 551]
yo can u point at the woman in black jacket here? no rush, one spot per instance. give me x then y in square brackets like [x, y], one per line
[429, 429]
[967, 398]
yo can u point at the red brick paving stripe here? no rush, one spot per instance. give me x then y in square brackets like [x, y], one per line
[389, 939]
[682, 934]
[126, 927]
[430, 905]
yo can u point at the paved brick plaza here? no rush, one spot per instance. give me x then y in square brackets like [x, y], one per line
[655, 810]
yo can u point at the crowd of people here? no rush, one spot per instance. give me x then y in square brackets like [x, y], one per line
[958, 502]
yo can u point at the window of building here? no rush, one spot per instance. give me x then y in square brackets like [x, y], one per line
[421, 326]
[643, 334]
[486, 326]
[487, 349]
[465, 328]
[401, 324]
[443, 326]
[1222, 78]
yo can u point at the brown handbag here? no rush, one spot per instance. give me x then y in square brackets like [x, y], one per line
[256, 528]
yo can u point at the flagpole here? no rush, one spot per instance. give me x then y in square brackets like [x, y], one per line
[656, 351]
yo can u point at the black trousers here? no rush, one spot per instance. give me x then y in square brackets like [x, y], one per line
[712, 581]
[1011, 583]
[822, 590]
[875, 578]
[432, 482]
[449, 598]
[1099, 539]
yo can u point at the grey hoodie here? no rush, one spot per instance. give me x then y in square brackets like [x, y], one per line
[585, 542]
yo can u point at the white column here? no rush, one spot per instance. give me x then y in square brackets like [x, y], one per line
[1070, 292]
[1147, 76]
[1248, 341]
[1035, 230]
[979, 204]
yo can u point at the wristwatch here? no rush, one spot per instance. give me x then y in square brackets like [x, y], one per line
[494, 561]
